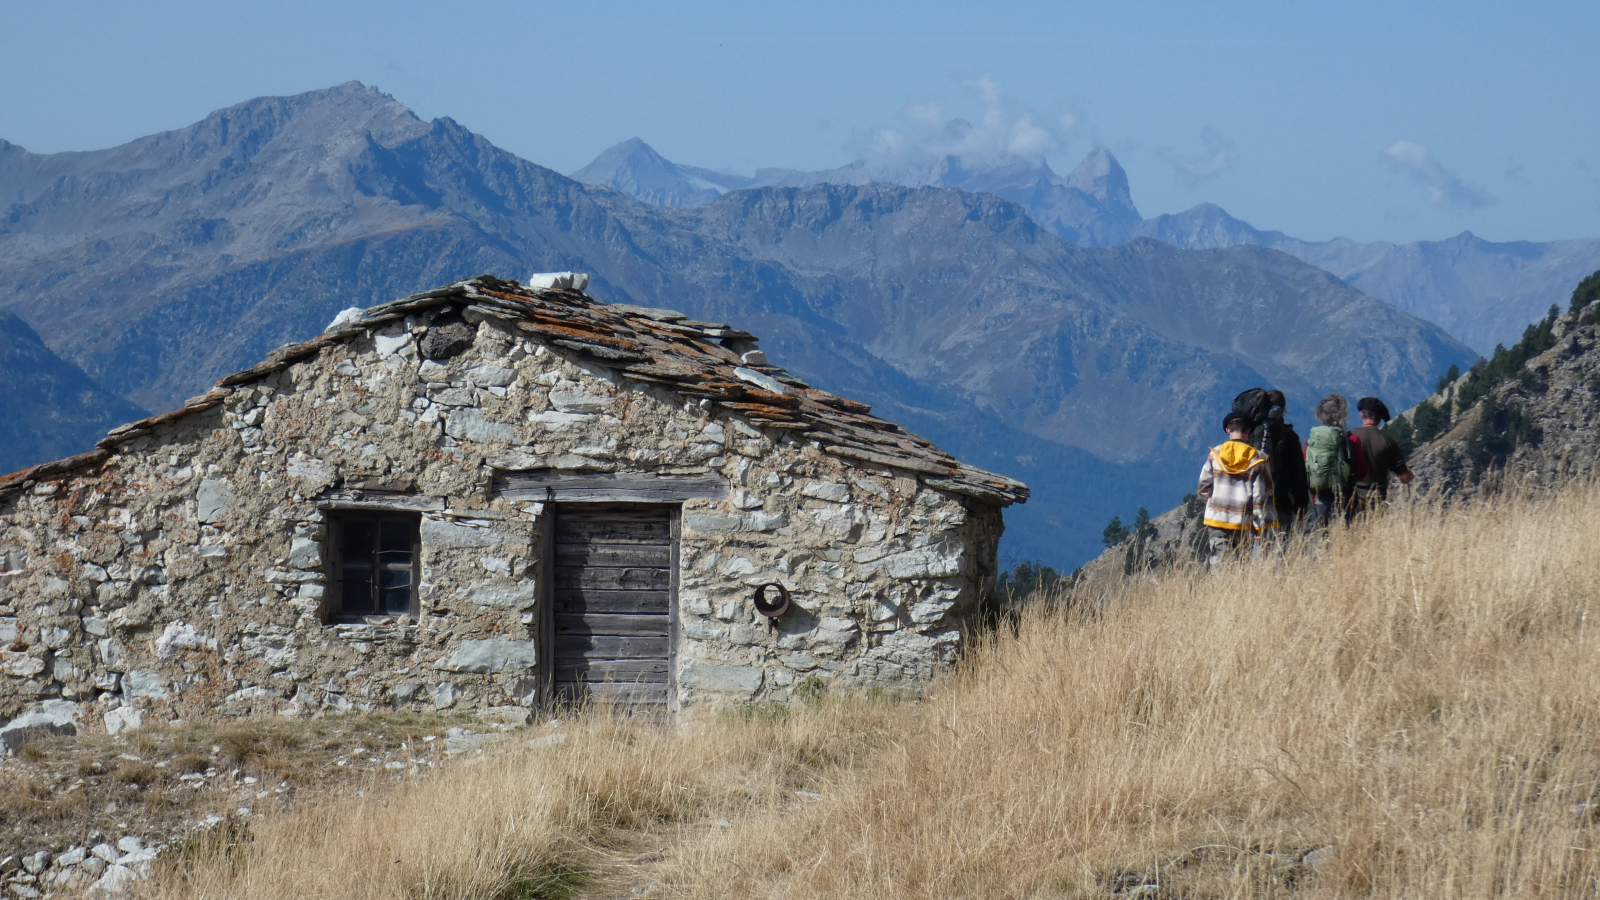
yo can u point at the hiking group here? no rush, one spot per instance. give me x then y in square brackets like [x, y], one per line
[1262, 479]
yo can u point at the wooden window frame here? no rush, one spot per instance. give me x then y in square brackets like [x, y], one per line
[334, 522]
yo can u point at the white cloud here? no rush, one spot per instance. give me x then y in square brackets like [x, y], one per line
[984, 125]
[1444, 187]
[1191, 172]
[887, 142]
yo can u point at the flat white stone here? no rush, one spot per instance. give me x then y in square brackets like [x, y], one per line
[345, 317]
[481, 657]
[438, 534]
[310, 469]
[743, 681]
[50, 718]
[213, 501]
[472, 425]
[577, 400]
[20, 664]
[305, 553]
[824, 490]
[390, 344]
[760, 379]
[180, 636]
[491, 375]
[522, 596]
[555, 420]
[144, 683]
[718, 524]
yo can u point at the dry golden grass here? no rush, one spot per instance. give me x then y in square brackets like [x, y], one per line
[1420, 695]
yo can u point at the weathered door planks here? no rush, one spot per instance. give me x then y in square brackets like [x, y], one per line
[613, 584]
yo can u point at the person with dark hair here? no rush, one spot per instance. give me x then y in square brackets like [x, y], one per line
[1236, 481]
[1277, 438]
[1376, 457]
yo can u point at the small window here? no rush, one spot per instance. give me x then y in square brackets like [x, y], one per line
[375, 558]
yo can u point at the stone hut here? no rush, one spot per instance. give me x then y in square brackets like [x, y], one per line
[486, 496]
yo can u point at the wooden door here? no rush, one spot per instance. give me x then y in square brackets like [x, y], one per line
[614, 580]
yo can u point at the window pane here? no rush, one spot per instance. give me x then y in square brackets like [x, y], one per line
[395, 536]
[357, 596]
[376, 561]
[394, 586]
[358, 540]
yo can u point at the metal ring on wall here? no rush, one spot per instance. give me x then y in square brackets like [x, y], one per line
[772, 609]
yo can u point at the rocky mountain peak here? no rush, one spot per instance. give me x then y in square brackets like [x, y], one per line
[1103, 178]
[631, 155]
[636, 169]
[334, 123]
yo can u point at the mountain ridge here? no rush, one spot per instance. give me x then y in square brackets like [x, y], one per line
[50, 408]
[1479, 291]
[954, 312]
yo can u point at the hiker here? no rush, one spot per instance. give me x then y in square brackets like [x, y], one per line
[1330, 474]
[1236, 481]
[1291, 495]
[1375, 457]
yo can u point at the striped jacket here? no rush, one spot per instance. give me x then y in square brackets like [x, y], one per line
[1237, 484]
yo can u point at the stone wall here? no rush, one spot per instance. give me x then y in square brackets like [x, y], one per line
[185, 575]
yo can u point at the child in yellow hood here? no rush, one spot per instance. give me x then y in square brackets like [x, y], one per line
[1237, 484]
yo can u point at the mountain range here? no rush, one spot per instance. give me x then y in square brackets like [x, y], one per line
[65, 408]
[1092, 373]
[1481, 292]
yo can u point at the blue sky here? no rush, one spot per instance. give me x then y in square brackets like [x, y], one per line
[1396, 121]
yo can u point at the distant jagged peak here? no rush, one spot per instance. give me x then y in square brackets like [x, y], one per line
[632, 153]
[1102, 177]
[634, 168]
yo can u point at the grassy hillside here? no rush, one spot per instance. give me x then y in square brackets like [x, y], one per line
[1411, 711]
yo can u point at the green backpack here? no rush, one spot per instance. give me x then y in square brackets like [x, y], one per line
[1328, 459]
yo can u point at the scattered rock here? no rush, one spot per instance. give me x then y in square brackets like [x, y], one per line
[460, 740]
[48, 719]
[113, 883]
[1316, 859]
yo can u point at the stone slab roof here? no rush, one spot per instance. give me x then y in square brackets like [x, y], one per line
[655, 346]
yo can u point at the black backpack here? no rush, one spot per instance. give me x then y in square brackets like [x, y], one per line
[1253, 405]
[1264, 431]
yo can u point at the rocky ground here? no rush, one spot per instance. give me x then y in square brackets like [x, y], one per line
[91, 815]
[1544, 422]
